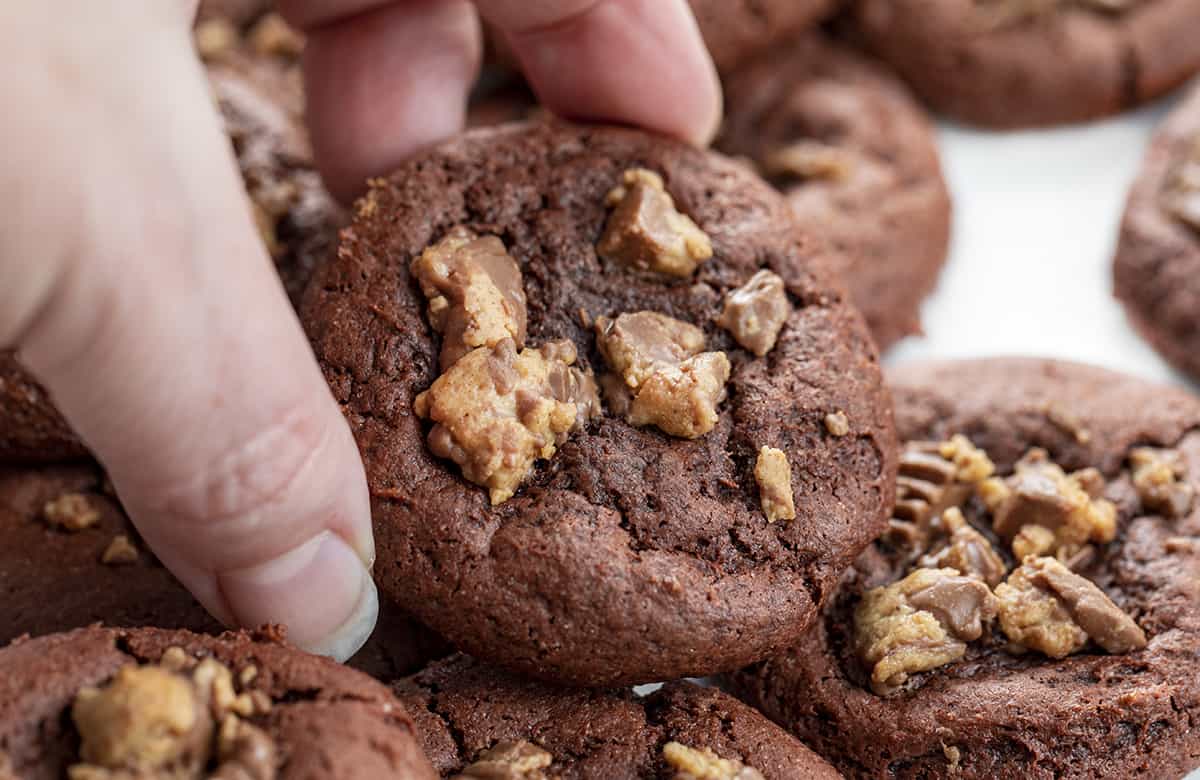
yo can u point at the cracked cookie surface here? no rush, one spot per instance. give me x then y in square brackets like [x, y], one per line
[320, 718]
[1089, 670]
[463, 709]
[1016, 63]
[628, 554]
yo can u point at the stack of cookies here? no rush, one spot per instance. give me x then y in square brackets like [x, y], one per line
[623, 420]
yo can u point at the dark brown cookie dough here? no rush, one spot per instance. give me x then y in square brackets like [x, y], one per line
[629, 555]
[1014, 63]
[71, 558]
[858, 160]
[1156, 273]
[1105, 708]
[177, 704]
[737, 30]
[31, 429]
[463, 709]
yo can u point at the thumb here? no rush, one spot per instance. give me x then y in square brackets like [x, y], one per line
[136, 288]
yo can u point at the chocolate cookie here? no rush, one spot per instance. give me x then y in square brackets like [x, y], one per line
[255, 76]
[111, 703]
[473, 718]
[1015, 63]
[736, 30]
[71, 558]
[1156, 273]
[483, 292]
[1033, 610]
[858, 160]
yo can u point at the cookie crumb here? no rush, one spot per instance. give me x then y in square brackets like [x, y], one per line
[703, 764]
[517, 760]
[953, 757]
[756, 312]
[837, 424]
[773, 473]
[71, 512]
[215, 38]
[646, 232]
[120, 552]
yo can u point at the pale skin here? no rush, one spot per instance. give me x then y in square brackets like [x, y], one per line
[134, 284]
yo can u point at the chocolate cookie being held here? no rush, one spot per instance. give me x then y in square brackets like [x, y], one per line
[99, 703]
[485, 298]
[858, 160]
[1033, 610]
[1156, 272]
[71, 558]
[474, 719]
[1015, 63]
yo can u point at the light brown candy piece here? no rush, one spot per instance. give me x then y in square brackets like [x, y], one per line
[1181, 193]
[119, 552]
[755, 312]
[934, 476]
[1042, 510]
[509, 761]
[147, 719]
[666, 380]
[646, 232]
[497, 411]
[71, 512]
[245, 752]
[690, 763]
[475, 293]
[1044, 606]
[809, 159]
[965, 549]
[774, 476]
[919, 623]
[1157, 477]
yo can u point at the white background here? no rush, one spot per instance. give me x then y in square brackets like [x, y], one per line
[1036, 215]
[1035, 225]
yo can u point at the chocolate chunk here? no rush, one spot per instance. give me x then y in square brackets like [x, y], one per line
[668, 381]
[774, 476]
[1044, 606]
[919, 623]
[475, 293]
[703, 764]
[509, 761]
[755, 312]
[934, 476]
[645, 231]
[1157, 477]
[497, 411]
[964, 549]
[1042, 510]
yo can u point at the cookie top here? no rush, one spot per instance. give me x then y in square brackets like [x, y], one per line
[737, 30]
[467, 712]
[623, 551]
[1156, 271]
[152, 703]
[1012, 63]
[1055, 602]
[857, 157]
[71, 558]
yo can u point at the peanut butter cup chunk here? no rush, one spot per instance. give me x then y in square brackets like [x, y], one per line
[615, 542]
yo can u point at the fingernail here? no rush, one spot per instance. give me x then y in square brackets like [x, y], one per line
[320, 590]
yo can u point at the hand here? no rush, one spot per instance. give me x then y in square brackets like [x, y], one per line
[133, 281]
